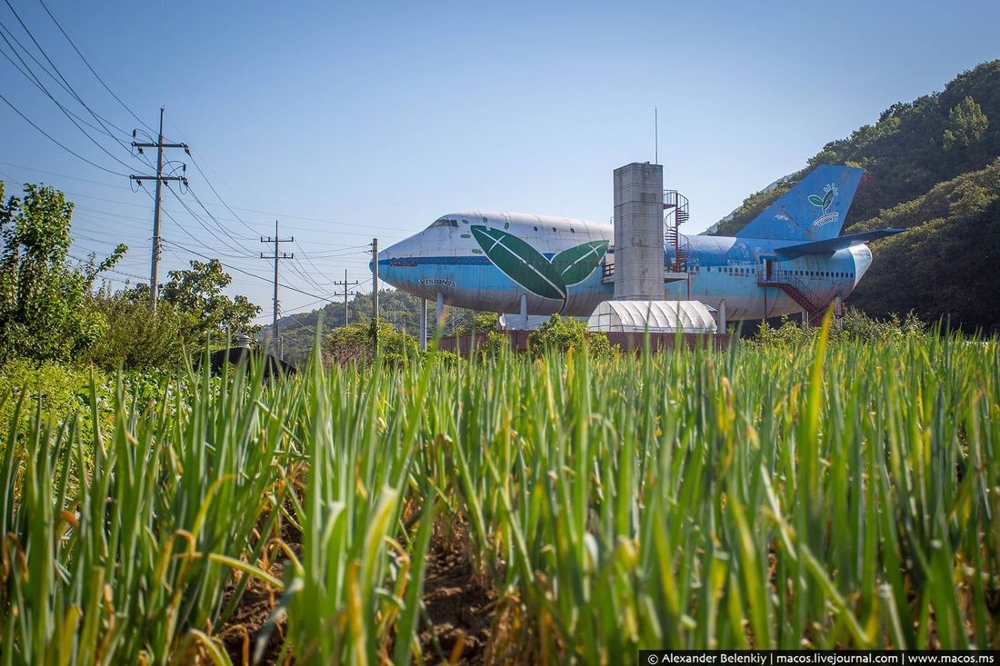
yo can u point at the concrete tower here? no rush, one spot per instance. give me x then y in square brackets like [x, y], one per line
[639, 232]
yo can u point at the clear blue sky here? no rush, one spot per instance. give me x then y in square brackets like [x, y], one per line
[348, 121]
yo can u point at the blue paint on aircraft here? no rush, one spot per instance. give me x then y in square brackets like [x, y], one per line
[791, 251]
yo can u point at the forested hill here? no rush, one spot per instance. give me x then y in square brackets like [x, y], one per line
[930, 165]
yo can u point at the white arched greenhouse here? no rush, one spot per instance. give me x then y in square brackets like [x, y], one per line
[652, 316]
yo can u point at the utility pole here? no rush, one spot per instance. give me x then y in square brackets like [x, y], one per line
[277, 255]
[375, 276]
[345, 283]
[159, 145]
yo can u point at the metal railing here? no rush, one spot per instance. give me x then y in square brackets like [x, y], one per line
[783, 278]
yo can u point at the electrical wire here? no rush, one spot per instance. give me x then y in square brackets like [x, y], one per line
[112, 270]
[306, 257]
[73, 118]
[238, 248]
[33, 79]
[92, 70]
[218, 223]
[62, 175]
[280, 284]
[296, 267]
[69, 87]
[55, 141]
[217, 195]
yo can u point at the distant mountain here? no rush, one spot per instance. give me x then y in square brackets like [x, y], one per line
[932, 166]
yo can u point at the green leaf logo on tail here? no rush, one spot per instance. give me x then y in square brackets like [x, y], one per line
[824, 202]
[529, 268]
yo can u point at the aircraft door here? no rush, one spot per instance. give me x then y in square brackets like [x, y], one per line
[767, 269]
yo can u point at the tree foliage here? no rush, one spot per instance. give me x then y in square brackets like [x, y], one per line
[191, 308]
[944, 267]
[855, 326]
[357, 343]
[931, 166]
[564, 333]
[913, 147]
[197, 293]
[43, 300]
[136, 338]
[966, 125]
[396, 308]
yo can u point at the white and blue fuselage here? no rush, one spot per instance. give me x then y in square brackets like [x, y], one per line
[789, 258]
[447, 261]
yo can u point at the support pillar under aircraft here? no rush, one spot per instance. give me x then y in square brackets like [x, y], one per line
[423, 324]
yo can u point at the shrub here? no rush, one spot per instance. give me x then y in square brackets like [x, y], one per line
[357, 342]
[562, 334]
[52, 391]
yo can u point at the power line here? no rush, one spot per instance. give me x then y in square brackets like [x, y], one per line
[113, 270]
[204, 226]
[30, 74]
[307, 258]
[346, 285]
[25, 70]
[216, 192]
[62, 175]
[301, 271]
[190, 235]
[222, 228]
[87, 63]
[254, 275]
[68, 86]
[55, 141]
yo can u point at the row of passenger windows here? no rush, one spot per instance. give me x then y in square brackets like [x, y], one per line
[446, 222]
[555, 230]
[733, 270]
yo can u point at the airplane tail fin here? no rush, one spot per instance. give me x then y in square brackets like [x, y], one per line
[813, 210]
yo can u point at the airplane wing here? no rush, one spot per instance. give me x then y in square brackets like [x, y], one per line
[831, 245]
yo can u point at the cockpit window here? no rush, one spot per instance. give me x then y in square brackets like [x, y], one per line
[445, 222]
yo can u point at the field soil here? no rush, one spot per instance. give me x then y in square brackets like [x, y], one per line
[460, 610]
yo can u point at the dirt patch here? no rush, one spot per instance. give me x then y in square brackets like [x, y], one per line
[459, 608]
[256, 606]
[250, 616]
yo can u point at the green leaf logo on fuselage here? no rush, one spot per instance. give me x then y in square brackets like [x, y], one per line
[576, 263]
[529, 268]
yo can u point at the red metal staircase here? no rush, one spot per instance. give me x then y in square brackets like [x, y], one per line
[796, 289]
[676, 212]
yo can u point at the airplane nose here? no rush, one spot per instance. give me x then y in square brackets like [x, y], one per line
[383, 263]
[387, 263]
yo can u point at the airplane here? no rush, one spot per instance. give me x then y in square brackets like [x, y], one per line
[789, 259]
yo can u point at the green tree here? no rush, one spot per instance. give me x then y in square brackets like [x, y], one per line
[197, 293]
[356, 342]
[480, 322]
[43, 300]
[562, 334]
[966, 124]
[136, 338]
